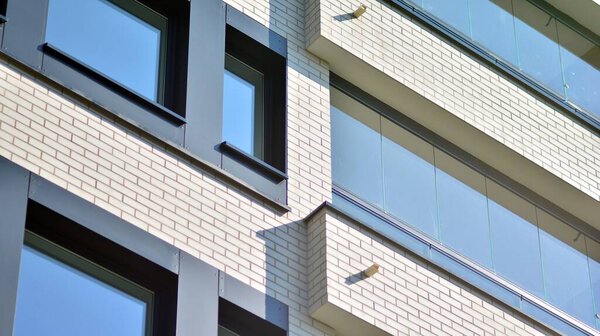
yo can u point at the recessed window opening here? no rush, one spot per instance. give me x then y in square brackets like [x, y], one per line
[243, 107]
[62, 293]
[124, 40]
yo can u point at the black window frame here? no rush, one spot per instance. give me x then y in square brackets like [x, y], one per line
[143, 13]
[24, 39]
[272, 66]
[88, 246]
[195, 131]
[29, 202]
[262, 49]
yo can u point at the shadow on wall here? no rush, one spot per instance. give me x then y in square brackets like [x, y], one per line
[285, 269]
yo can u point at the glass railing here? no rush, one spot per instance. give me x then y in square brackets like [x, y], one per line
[530, 41]
[465, 211]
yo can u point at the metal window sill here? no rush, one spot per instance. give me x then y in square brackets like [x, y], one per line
[262, 167]
[155, 107]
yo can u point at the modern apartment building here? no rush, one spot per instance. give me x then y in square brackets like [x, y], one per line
[299, 167]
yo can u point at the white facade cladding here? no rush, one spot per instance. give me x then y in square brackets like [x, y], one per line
[383, 139]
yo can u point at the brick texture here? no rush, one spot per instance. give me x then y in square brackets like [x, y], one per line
[138, 178]
[408, 296]
[391, 42]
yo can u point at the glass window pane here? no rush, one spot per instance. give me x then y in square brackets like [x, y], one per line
[56, 299]
[515, 242]
[581, 66]
[356, 148]
[453, 12]
[593, 252]
[243, 106]
[493, 27]
[409, 178]
[566, 273]
[108, 39]
[463, 213]
[538, 45]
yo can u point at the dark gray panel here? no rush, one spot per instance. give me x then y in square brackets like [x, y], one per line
[14, 183]
[104, 223]
[256, 31]
[198, 299]
[206, 62]
[254, 301]
[78, 82]
[263, 183]
[25, 29]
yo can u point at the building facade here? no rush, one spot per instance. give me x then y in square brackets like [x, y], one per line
[302, 167]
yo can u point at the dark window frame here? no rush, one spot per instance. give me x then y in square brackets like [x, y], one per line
[265, 51]
[272, 66]
[198, 88]
[145, 14]
[256, 78]
[89, 247]
[196, 282]
[26, 42]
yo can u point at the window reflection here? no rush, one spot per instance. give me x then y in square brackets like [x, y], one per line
[56, 299]
[453, 12]
[111, 40]
[493, 27]
[463, 209]
[515, 243]
[409, 178]
[356, 148]
[593, 252]
[243, 107]
[581, 66]
[538, 45]
[566, 273]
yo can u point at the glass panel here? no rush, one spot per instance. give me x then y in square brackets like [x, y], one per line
[56, 299]
[515, 243]
[110, 40]
[493, 27]
[593, 252]
[566, 273]
[453, 12]
[409, 177]
[463, 213]
[243, 106]
[356, 148]
[538, 45]
[581, 66]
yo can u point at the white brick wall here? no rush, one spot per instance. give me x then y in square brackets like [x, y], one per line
[69, 143]
[409, 53]
[408, 296]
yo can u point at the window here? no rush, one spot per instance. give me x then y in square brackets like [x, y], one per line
[243, 107]
[391, 171]
[124, 40]
[58, 287]
[254, 100]
[552, 51]
[74, 282]
[127, 56]
[68, 267]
